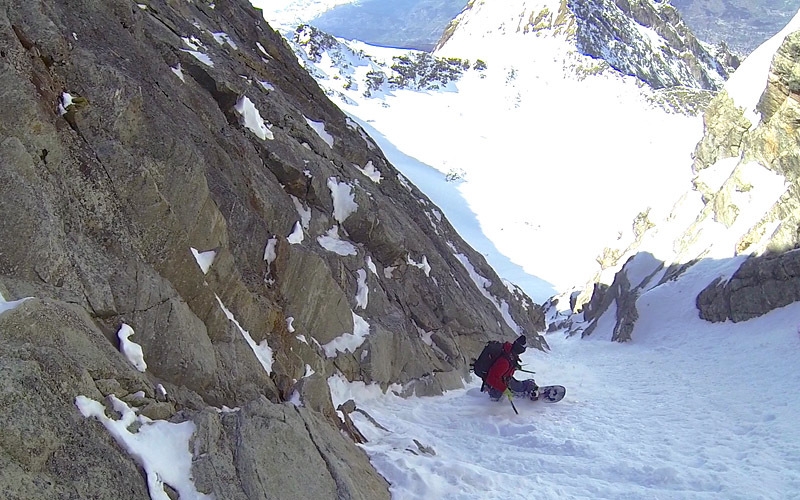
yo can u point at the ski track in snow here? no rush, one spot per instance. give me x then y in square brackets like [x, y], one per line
[637, 422]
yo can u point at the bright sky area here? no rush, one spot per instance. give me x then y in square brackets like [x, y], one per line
[687, 410]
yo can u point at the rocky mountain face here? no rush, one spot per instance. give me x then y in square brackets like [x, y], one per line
[736, 162]
[169, 166]
[770, 278]
[642, 38]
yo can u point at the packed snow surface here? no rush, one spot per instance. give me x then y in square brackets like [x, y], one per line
[686, 411]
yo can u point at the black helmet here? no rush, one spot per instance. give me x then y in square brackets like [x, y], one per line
[518, 347]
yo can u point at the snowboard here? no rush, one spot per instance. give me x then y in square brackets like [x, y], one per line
[549, 393]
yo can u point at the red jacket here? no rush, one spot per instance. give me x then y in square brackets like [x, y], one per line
[503, 369]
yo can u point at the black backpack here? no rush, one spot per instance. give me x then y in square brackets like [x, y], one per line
[490, 353]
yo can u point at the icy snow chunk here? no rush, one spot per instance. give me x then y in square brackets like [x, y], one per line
[302, 211]
[269, 250]
[203, 58]
[297, 234]
[7, 306]
[483, 285]
[355, 126]
[193, 43]
[371, 266]
[63, 103]
[251, 118]
[204, 259]
[331, 242]
[262, 351]
[319, 128]
[426, 268]
[370, 171]
[179, 72]
[222, 38]
[404, 182]
[344, 202]
[348, 342]
[130, 349]
[362, 295]
[160, 447]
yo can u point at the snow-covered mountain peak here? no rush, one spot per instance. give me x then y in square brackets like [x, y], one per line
[642, 38]
[483, 21]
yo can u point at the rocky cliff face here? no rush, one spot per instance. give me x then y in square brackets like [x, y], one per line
[168, 165]
[642, 38]
[771, 277]
[748, 205]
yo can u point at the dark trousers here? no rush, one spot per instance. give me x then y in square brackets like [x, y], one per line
[520, 388]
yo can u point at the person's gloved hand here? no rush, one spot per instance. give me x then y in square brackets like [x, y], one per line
[507, 393]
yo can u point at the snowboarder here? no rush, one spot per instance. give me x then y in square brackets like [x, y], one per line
[500, 378]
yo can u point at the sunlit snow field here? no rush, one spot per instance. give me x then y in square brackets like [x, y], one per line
[688, 411]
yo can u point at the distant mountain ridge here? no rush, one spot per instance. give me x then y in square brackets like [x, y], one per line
[641, 38]
[400, 23]
[647, 40]
[417, 24]
[742, 24]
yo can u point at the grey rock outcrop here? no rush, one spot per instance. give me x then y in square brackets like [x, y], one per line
[758, 286]
[135, 136]
[622, 294]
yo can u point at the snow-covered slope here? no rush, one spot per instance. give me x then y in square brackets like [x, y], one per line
[692, 411]
[553, 147]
